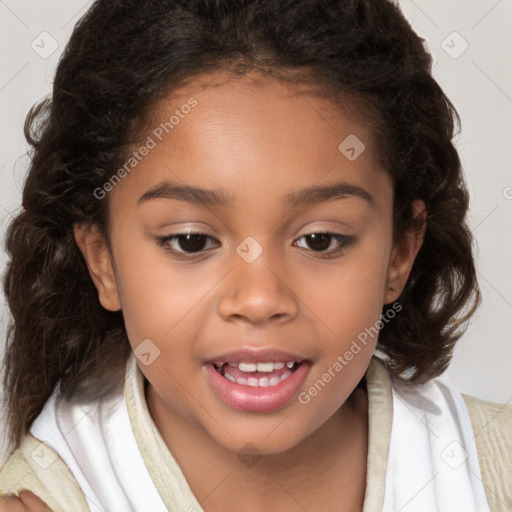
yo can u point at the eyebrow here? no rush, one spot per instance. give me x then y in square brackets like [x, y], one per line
[294, 199]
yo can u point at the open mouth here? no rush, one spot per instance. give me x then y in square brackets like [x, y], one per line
[254, 385]
[261, 374]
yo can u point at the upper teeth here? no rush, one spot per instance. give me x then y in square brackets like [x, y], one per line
[262, 367]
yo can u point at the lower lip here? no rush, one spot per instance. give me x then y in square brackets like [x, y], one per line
[257, 399]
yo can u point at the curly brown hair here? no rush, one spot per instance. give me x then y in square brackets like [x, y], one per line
[123, 57]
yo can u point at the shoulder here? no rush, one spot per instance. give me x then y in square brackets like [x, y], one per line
[492, 427]
[36, 467]
[489, 416]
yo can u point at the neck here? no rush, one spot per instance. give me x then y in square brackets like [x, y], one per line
[331, 462]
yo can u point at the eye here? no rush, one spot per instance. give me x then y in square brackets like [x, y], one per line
[324, 244]
[185, 243]
[328, 244]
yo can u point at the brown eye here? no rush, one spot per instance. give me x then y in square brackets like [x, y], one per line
[185, 243]
[322, 243]
[191, 243]
[318, 241]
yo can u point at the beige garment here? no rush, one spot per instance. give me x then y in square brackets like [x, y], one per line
[55, 484]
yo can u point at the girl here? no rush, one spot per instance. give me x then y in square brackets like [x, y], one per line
[241, 267]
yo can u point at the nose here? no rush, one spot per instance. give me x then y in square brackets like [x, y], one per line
[258, 292]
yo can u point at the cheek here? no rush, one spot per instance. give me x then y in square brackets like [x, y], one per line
[348, 297]
[156, 296]
[349, 313]
[160, 298]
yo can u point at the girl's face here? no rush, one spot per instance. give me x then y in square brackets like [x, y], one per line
[268, 171]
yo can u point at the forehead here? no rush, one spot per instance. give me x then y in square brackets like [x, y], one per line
[253, 136]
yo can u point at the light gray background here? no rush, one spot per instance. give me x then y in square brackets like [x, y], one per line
[478, 80]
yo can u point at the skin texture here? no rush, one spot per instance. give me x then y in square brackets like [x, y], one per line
[26, 502]
[256, 139]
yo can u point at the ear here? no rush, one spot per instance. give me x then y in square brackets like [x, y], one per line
[403, 255]
[98, 257]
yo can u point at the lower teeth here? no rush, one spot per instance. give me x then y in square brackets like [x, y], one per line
[258, 382]
[261, 382]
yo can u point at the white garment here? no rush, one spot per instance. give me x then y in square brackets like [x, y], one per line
[427, 468]
[433, 461]
[98, 445]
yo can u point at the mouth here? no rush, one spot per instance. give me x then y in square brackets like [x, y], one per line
[260, 374]
[257, 382]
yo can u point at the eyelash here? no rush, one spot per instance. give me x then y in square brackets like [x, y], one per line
[345, 242]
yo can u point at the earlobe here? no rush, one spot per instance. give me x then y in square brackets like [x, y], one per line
[403, 255]
[97, 255]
